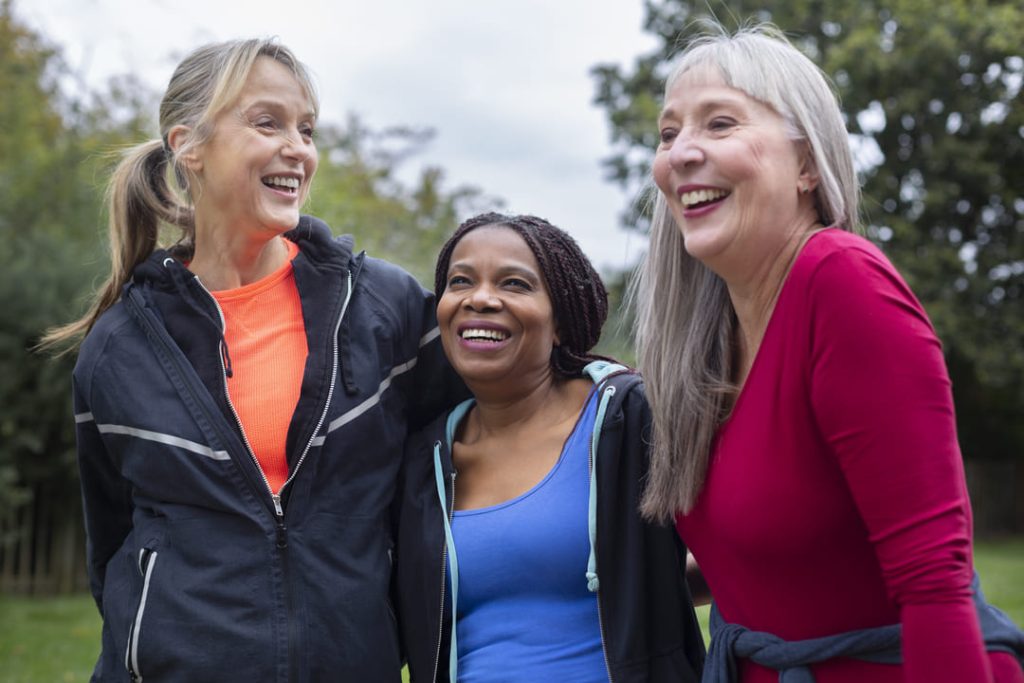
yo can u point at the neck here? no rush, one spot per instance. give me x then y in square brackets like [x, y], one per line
[754, 294]
[542, 403]
[228, 260]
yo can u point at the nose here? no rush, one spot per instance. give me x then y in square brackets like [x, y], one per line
[482, 298]
[297, 147]
[685, 151]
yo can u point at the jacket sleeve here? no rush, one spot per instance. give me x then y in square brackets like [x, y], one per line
[435, 387]
[106, 497]
[881, 397]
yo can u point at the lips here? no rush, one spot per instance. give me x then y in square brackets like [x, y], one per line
[478, 335]
[283, 183]
[482, 334]
[696, 197]
[482, 331]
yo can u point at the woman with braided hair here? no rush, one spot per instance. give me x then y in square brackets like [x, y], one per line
[521, 552]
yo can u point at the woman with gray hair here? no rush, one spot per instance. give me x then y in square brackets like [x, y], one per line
[242, 397]
[804, 438]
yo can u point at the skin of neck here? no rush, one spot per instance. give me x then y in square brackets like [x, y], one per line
[534, 401]
[754, 288]
[228, 259]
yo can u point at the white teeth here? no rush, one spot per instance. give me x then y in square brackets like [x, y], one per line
[492, 335]
[281, 181]
[700, 196]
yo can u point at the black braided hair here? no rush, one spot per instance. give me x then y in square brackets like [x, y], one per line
[578, 297]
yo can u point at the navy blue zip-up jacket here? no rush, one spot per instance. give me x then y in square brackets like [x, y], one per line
[200, 573]
[649, 630]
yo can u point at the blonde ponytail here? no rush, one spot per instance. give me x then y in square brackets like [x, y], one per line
[139, 198]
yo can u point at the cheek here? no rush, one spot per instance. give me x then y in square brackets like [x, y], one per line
[445, 310]
[661, 170]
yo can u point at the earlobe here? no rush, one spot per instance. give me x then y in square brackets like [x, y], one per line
[808, 179]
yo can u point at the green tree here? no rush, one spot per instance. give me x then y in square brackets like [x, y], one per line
[56, 152]
[359, 191]
[46, 208]
[931, 93]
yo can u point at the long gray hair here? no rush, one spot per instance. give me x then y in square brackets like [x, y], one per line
[685, 319]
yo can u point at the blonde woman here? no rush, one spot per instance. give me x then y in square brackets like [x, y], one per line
[242, 397]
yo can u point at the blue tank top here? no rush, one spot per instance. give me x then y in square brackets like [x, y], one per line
[524, 611]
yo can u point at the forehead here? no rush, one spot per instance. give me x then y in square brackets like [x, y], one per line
[272, 80]
[704, 87]
[701, 86]
[496, 244]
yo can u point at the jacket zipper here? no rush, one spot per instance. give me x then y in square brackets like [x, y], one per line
[600, 611]
[444, 573]
[275, 498]
[147, 560]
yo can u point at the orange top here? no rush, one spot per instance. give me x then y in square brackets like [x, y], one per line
[266, 339]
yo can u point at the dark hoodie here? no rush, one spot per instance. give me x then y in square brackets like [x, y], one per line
[199, 572]
[649, 631]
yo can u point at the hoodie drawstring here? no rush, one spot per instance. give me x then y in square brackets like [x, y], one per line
[453, 562]
[593, 583]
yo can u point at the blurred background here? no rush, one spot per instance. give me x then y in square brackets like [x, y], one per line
[436, 111]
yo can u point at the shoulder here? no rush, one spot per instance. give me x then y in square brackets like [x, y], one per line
[840, 270]
[96, 349]
[380, 273]
[836, 255]
[629, 402]
[108, 328]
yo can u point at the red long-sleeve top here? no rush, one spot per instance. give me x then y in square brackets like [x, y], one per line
[835, 498]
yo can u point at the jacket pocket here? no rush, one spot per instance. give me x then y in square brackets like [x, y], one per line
[147, 564]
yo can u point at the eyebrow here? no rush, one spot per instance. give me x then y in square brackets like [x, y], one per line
[274, 104]
[718, 102]
[504, 271]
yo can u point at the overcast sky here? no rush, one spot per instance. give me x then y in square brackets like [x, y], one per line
[505, 83]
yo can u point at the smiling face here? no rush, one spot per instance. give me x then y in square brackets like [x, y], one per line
[255, 170]
[730, 171]
[495, 315]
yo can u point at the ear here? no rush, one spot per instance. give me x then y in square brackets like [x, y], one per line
[176, 139]
[808, 178]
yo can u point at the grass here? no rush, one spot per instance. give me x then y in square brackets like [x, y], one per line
[48, 639]
[52, 640]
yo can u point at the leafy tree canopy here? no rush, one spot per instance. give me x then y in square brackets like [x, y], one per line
[931, 93]
[56, 153]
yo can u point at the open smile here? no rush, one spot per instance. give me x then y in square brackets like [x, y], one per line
[283, 183]
[700, 200]
[480, 336]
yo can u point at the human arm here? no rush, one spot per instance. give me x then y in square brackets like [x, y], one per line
[881, 397]
[106, 497]
[436, 387]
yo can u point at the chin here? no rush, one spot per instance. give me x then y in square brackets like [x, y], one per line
[701, 246]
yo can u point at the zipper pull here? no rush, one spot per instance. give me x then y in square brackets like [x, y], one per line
[282, 530]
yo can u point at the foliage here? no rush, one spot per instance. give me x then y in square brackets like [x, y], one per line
[42, 197]
[56, 151]
[358, 191]
[931, 93]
